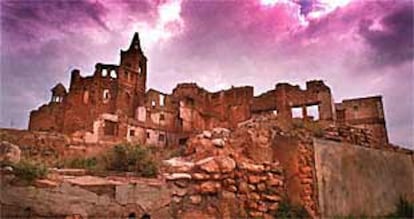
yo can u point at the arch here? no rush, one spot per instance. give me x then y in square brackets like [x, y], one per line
[104, 72]
[132, 215]
[146, 216]
[113, 74]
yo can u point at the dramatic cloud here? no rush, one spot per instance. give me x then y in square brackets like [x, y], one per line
[360, 48]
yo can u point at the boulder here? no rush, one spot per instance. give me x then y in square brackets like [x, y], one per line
[207, 134]
[209, 165]
[9, 153]
[226, 164]
[218, 142]
[177, 164]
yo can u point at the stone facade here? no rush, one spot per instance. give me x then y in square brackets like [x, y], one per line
[114, 103]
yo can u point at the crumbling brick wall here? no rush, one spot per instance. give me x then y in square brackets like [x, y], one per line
[367, 113]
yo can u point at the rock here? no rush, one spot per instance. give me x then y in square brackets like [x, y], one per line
[69, 171]
[207, 134]
[220, 132]
[218, 142]
[195, 199]
[306, 181]
[254, 179]
[7, 169]
[180, 192]
[45, 183]
[306, 170]
[200, 176]
[229, 182]
[274, 206]
[182, 183]
[176, 164]
[276, 169]
[261, 187]
[209, 165]
[9, 153]
[256, 214]
[176, 199]
[252, 204]
[232, 188]
[273, 198]
[274, 182]
[243, 187]
[262, 207]
[176, 176]
[209, 187]
[253, 196]
[226, 164]
[251, 167]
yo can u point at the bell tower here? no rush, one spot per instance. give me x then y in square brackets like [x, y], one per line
[134, 64]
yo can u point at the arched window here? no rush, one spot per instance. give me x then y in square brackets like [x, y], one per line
[132, 216]
[85, 97]
[104, 72]
[113, 74]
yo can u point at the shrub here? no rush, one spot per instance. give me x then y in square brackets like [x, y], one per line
[83, 163]
[404, 209]
[131, 158]
[288, 210]
[29, 171]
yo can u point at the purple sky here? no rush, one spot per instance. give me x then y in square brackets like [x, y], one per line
[358, 47]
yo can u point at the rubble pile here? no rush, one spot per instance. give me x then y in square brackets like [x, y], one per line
[214, 171]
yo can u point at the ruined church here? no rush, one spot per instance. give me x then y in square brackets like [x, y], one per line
[113, 104]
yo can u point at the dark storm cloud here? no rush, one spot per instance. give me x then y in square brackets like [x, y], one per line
[218, 44]
[31, 20]
[393, 43]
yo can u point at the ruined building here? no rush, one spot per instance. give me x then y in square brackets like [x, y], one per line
[114, 104]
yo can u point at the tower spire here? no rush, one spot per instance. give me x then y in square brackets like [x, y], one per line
[135, 44]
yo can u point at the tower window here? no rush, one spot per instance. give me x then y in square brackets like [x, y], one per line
[132, 133]
[162, 117]
[148, 135]
[162, 100]
[113, 74]
[153, 103]
[161, 137]
[106, 95]
[104, 72]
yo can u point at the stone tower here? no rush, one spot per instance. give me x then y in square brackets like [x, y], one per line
[132, 77]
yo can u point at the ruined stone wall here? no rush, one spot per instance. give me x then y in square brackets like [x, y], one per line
[47, 118]
[365, 113]
[161, 111]
[358, 181]
[286, 96]
[264, 103]
[86, 197]
[52, 147]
